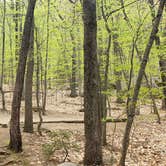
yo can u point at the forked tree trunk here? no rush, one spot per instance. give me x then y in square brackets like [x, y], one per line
[28, 123]
[93, 145]
[133, 102]
[15, 133]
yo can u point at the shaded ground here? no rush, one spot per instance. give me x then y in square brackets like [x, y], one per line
[147, 148]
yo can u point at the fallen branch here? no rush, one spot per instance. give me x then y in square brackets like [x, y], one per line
[7, 162]
[61, 121]
[116, 120]
[111, 120]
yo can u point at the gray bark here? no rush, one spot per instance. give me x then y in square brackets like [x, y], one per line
[92, 114]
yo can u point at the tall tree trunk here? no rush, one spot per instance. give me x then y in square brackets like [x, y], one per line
[133, 102]
[79, 62]
[17, 36]
[46, 61]
[118, 74]
[11, 51]
[92, 115]
[28, 123]
[73, 76]
[3, 55]
[38, 81]
[162, 64]
[149, 85]
[37, 70]
[162, 58]
[104, 84]
[15, 133]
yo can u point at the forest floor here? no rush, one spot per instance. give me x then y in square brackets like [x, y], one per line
[61, 141]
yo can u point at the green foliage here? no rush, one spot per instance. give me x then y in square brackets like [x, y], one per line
[60, 140]
[67, 18]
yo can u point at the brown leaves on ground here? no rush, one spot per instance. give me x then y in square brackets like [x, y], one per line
[147, 146]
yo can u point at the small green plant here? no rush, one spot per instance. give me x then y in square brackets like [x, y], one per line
[60, 140]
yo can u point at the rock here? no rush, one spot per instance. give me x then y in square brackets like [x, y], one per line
[67, 164]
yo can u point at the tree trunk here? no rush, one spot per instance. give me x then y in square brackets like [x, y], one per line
[16, 20]
[162, 64]
[73, 77]
[38, 82]
[162, 58]
[118, 74]
[133, 102]
[79, 62]
[46, 61]
[11, 50]
[104, 82]
[3, 55]
[37, 69]
[15, 133]
[92, 115]
[28, 123]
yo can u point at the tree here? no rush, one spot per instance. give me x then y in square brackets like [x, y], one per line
[104, 82]
[92, 115]
[28, 123]
[17, 27]
[162, 58]
[133, 102]
[73, 74]
[46, 61]
[3, 55]
[15, 133]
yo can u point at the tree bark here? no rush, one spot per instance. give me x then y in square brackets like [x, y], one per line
[15, 133]
[162, 64]
[162, 58]
[17, 32]
[133, 102]
[37, 69]
[28, 123]
[118, 74]
[92, 115]
[3, 55]
[46, 60]
[73, 77]
[104, 84]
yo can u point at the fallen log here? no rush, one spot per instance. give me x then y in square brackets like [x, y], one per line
[61, 121]
[111, 120]
[81, 121]
[116, 120]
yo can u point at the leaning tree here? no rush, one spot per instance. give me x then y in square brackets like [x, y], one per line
[15, 133]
